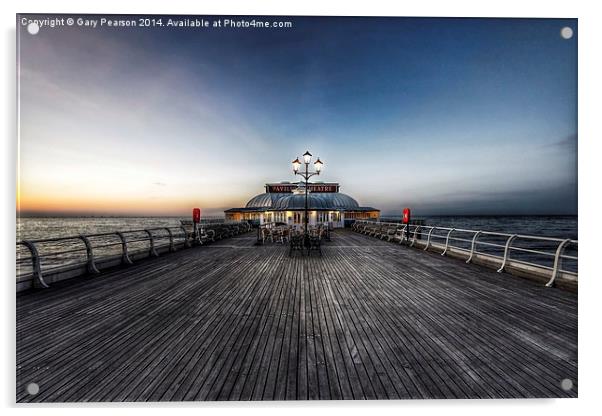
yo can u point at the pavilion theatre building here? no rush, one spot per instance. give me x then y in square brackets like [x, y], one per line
[284, 202]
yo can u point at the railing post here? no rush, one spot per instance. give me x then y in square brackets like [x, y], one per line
[195, 233]
[415, 234]
[151, 240]
[125, 258]
[38, 279]
[428, 240]
[199, 235]
[186, 240]
[90, 255]
[171, 246]
[403, 231]
[447, 241]
[473, 246]
[557, 261]
[506, 252]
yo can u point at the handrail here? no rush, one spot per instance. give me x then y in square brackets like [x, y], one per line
[151, 241]
[75, 237]
[445, 241]
[35, 260]
[473, 245]
[557, 260]
[186, 239]
[171, 246]
[507, 251]
[428, 240]
[415, 233]
[90, 254]
[125, 258]
[42, 262]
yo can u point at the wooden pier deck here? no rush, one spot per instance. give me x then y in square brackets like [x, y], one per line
[233, 321]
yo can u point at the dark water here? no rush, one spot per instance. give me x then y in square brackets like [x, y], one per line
[545, 226]
[40, 228]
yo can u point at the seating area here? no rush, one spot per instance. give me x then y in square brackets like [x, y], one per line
[226, 230]
[389, 232]
[279, 234]
[206, 233]
[272, 233]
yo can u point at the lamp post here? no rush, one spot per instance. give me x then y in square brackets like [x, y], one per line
[306, 175]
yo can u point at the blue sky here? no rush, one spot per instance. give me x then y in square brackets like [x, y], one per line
[447, 116]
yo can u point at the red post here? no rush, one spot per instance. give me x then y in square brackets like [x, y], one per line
[196, 219]
[406, 216]
[196, 215]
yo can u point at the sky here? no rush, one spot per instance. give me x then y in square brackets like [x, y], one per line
[446, 116]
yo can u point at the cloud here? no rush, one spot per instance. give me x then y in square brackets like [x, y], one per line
[568, 143]
[554, 199]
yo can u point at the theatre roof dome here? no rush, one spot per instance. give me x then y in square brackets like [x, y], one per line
[316, 201]
[265, 200]
[289, 201]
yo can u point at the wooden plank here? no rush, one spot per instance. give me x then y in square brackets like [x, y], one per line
[246, 380]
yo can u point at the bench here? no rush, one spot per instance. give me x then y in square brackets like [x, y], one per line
[315, 243]
[296, 244]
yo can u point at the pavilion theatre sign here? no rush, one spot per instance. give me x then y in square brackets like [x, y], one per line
[314, 187]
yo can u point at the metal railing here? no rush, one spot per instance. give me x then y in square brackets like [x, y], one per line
[211, 220]
[551, 256]
[90, 253]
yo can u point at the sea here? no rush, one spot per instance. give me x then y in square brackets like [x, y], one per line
[51, 227]
[562, 227]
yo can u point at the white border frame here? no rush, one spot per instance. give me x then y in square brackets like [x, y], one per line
[590, 68]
